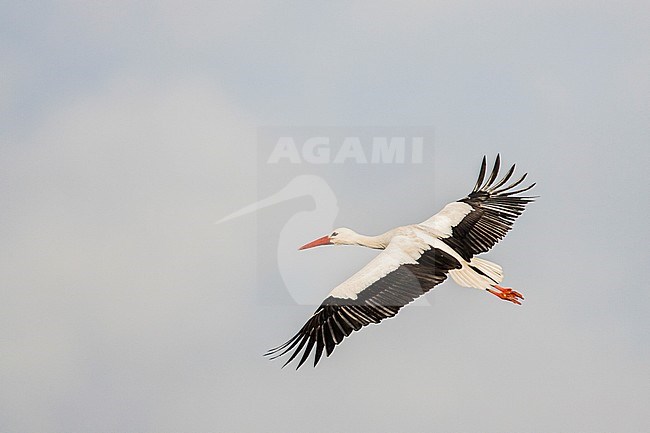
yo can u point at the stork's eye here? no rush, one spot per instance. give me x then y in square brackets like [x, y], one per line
[333, 234]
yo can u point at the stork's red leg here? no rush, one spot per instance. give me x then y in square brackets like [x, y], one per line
[507, 294]
[508, 290]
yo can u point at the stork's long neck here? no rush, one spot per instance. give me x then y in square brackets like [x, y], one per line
[377, 242]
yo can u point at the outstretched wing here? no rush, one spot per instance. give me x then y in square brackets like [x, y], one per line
[391, 280]
[474, 224]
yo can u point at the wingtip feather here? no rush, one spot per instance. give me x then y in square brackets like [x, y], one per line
[493, 174]
[504, 179]
[481, 174]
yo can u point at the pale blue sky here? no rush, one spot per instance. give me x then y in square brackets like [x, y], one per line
[127, 129]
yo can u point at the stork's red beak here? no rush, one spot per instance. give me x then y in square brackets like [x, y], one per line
[325, 240]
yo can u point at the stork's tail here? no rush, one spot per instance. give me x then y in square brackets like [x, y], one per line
[480, 274]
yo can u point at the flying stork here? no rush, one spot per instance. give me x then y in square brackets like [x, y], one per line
[415, 259]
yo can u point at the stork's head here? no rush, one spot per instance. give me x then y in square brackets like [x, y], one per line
[340, 236]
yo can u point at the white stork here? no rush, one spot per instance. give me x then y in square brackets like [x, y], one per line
[415, 259]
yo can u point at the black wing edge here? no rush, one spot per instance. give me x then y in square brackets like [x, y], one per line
[320, 330]
[496, 207]
[492, 189]
[337, 318]
[334, 320]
